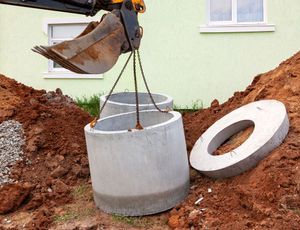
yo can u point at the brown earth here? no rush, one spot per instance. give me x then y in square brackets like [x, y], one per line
[17, 194]
[55, 149]
[57, 167]
[266, 197]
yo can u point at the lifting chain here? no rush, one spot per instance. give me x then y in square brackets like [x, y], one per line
[94, 122]
[146, 85]
[138, 123]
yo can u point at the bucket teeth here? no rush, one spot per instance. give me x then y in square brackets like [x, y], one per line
[94, 51]
[53, 56]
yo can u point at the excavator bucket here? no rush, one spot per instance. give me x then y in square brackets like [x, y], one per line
[94, 51]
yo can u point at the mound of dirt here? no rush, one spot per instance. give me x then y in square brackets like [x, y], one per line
[265, 197]
[55, 152]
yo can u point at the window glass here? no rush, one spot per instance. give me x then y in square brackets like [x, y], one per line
[67, 30]
[220, 10]
[250, 11]
[55, 65]
[63, 32]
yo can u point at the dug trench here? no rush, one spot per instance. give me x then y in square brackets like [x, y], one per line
[54, 181]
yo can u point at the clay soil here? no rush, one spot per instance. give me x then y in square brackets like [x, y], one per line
[54, 190]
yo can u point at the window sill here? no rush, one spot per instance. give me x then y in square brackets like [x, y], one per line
[70, 75]
[237, 28]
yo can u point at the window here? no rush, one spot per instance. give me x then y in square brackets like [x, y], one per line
[236, 11]
[60, 33]
[236, 16]
[59, 30]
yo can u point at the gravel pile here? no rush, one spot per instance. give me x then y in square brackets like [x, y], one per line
[11, 141]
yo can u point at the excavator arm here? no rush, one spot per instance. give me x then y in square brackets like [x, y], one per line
[87, 7]
[98, 47]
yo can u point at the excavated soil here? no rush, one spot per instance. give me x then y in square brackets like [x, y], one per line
[266, 197]
[55, 152]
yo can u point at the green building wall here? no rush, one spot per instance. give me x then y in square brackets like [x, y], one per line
[177, 58]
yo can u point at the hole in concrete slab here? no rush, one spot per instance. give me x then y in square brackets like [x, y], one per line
[231, 137]
[234, 141]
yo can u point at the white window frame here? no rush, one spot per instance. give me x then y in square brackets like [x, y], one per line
[234, 25]
[62, 73]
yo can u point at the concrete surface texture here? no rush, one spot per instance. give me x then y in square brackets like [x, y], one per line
[125, 102]
[138, 172]
[189, 66]
[271, 125]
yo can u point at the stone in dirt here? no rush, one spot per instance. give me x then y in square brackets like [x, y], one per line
[174, 221]
[59, 172]
[12, 196]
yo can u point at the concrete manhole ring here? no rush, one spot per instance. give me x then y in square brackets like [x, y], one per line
[136, 173]
[125, 102]
[271, 125]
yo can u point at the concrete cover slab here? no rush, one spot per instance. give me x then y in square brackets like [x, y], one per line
[271, 125]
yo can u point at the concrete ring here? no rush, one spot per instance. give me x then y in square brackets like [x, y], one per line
[125, 102]
[271, 125]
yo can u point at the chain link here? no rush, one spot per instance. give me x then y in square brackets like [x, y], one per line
[146, 85]
[94, 122]
[138, 124]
